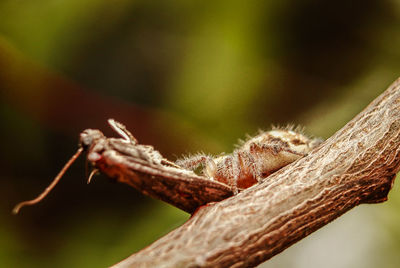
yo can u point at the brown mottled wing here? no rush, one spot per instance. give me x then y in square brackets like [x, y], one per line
[140, 167]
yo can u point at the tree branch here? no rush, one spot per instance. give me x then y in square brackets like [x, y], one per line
[356, 165]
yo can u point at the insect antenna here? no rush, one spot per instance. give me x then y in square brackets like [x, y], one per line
[51, 186]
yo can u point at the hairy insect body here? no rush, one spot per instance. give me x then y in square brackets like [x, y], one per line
[255, 159]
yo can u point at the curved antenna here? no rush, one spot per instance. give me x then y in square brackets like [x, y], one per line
[51, 186]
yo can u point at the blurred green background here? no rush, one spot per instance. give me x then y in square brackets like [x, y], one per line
[184, 76]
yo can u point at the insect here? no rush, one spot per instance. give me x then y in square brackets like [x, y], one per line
[257, 158]
[145, 169]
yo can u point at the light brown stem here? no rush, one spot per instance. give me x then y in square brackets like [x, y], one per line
[356, 165]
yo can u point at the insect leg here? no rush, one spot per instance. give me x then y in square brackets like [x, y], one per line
[236, 168]
[122, 131]
[193, 162]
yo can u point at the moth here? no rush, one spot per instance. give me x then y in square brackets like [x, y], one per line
[177, 183]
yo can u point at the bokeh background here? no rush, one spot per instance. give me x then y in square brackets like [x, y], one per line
[184, 76]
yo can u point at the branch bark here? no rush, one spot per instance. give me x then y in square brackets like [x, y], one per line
[356, 165]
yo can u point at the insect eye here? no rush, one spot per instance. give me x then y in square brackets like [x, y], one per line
[88, 136]
[85, 139]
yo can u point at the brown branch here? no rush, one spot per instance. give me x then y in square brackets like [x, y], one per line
[356, 165]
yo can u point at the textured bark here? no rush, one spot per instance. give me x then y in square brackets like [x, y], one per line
[356, 165]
